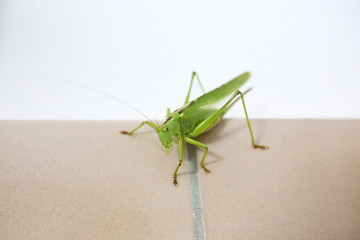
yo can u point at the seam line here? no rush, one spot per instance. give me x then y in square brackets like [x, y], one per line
[198, 220]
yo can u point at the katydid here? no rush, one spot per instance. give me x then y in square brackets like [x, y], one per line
[197, 117]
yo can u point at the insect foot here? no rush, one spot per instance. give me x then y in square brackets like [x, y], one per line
[261, 146]
[175, 181]
[125, 132]
[205, 169]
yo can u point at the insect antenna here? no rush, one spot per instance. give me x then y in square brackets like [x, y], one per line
[108, 96]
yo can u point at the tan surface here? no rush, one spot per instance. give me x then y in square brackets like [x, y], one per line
[82, 180]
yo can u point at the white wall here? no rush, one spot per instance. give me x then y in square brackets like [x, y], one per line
[304, 56]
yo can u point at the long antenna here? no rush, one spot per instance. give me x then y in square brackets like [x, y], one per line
[106, 95]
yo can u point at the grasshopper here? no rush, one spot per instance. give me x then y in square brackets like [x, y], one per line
[197, 117]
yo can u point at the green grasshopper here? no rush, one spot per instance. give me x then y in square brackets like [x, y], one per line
[197, 117]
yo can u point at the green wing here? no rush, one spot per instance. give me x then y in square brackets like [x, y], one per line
[216, 95]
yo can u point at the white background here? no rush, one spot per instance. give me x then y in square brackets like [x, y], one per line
[304, 56]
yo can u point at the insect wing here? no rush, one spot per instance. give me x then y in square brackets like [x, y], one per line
[216, 95]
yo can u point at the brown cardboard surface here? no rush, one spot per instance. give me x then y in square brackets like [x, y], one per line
[306, 186]
[83, 180]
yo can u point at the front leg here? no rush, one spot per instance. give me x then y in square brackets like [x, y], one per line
[199, 144]
[147, 122]
[180, 145]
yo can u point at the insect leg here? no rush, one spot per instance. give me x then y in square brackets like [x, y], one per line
[147, 122]
[180, 146]
[199, 144]
[191, 83]
[168, 112]
[249, 125]
[200, 128]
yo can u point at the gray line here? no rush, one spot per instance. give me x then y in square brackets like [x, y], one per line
[198, 220]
